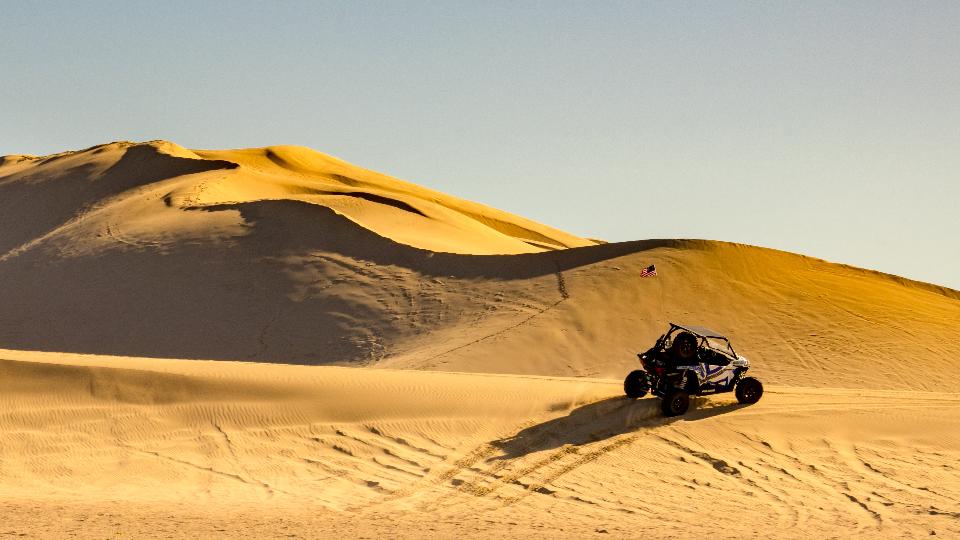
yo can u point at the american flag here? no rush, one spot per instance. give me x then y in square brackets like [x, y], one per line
[649, 271]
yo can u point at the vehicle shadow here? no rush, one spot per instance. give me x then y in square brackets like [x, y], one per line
[602, 420]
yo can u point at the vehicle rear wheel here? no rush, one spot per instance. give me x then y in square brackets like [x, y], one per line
[635, 385]
[749, 390]
[675, 403]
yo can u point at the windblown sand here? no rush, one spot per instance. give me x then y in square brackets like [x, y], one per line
[459, 370]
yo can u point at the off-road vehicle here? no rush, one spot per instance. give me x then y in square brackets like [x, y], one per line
[691, 361]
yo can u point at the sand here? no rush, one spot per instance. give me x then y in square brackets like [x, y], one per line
[459, 367]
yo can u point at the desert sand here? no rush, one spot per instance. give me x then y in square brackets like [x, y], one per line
[275, 343]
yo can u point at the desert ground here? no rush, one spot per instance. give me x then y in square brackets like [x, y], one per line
[274, 343]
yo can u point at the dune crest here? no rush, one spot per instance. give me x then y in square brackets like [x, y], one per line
[392, 208]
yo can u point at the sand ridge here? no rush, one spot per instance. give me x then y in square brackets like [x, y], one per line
[405, 212]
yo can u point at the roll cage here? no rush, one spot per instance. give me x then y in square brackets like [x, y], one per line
[706, 338]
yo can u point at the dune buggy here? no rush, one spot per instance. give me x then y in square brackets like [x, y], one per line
[691, 361]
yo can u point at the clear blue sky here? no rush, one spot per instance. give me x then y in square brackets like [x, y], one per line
[829, 129]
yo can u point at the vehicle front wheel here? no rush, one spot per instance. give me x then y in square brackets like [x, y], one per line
[675, 403]
[635, 385]
[749, 390]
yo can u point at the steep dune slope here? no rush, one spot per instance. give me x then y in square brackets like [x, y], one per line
[284, 254]
[151, 249]
[802, 321]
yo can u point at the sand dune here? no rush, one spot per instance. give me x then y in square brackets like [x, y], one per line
[460, 366]
[237, 255]
[143, 186]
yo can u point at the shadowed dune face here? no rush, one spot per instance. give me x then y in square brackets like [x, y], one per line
[330, 293]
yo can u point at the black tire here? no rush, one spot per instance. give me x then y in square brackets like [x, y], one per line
[749, 390]
[635, 385]
[675, 404]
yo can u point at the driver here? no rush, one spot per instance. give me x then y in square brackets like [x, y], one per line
[683, 350]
